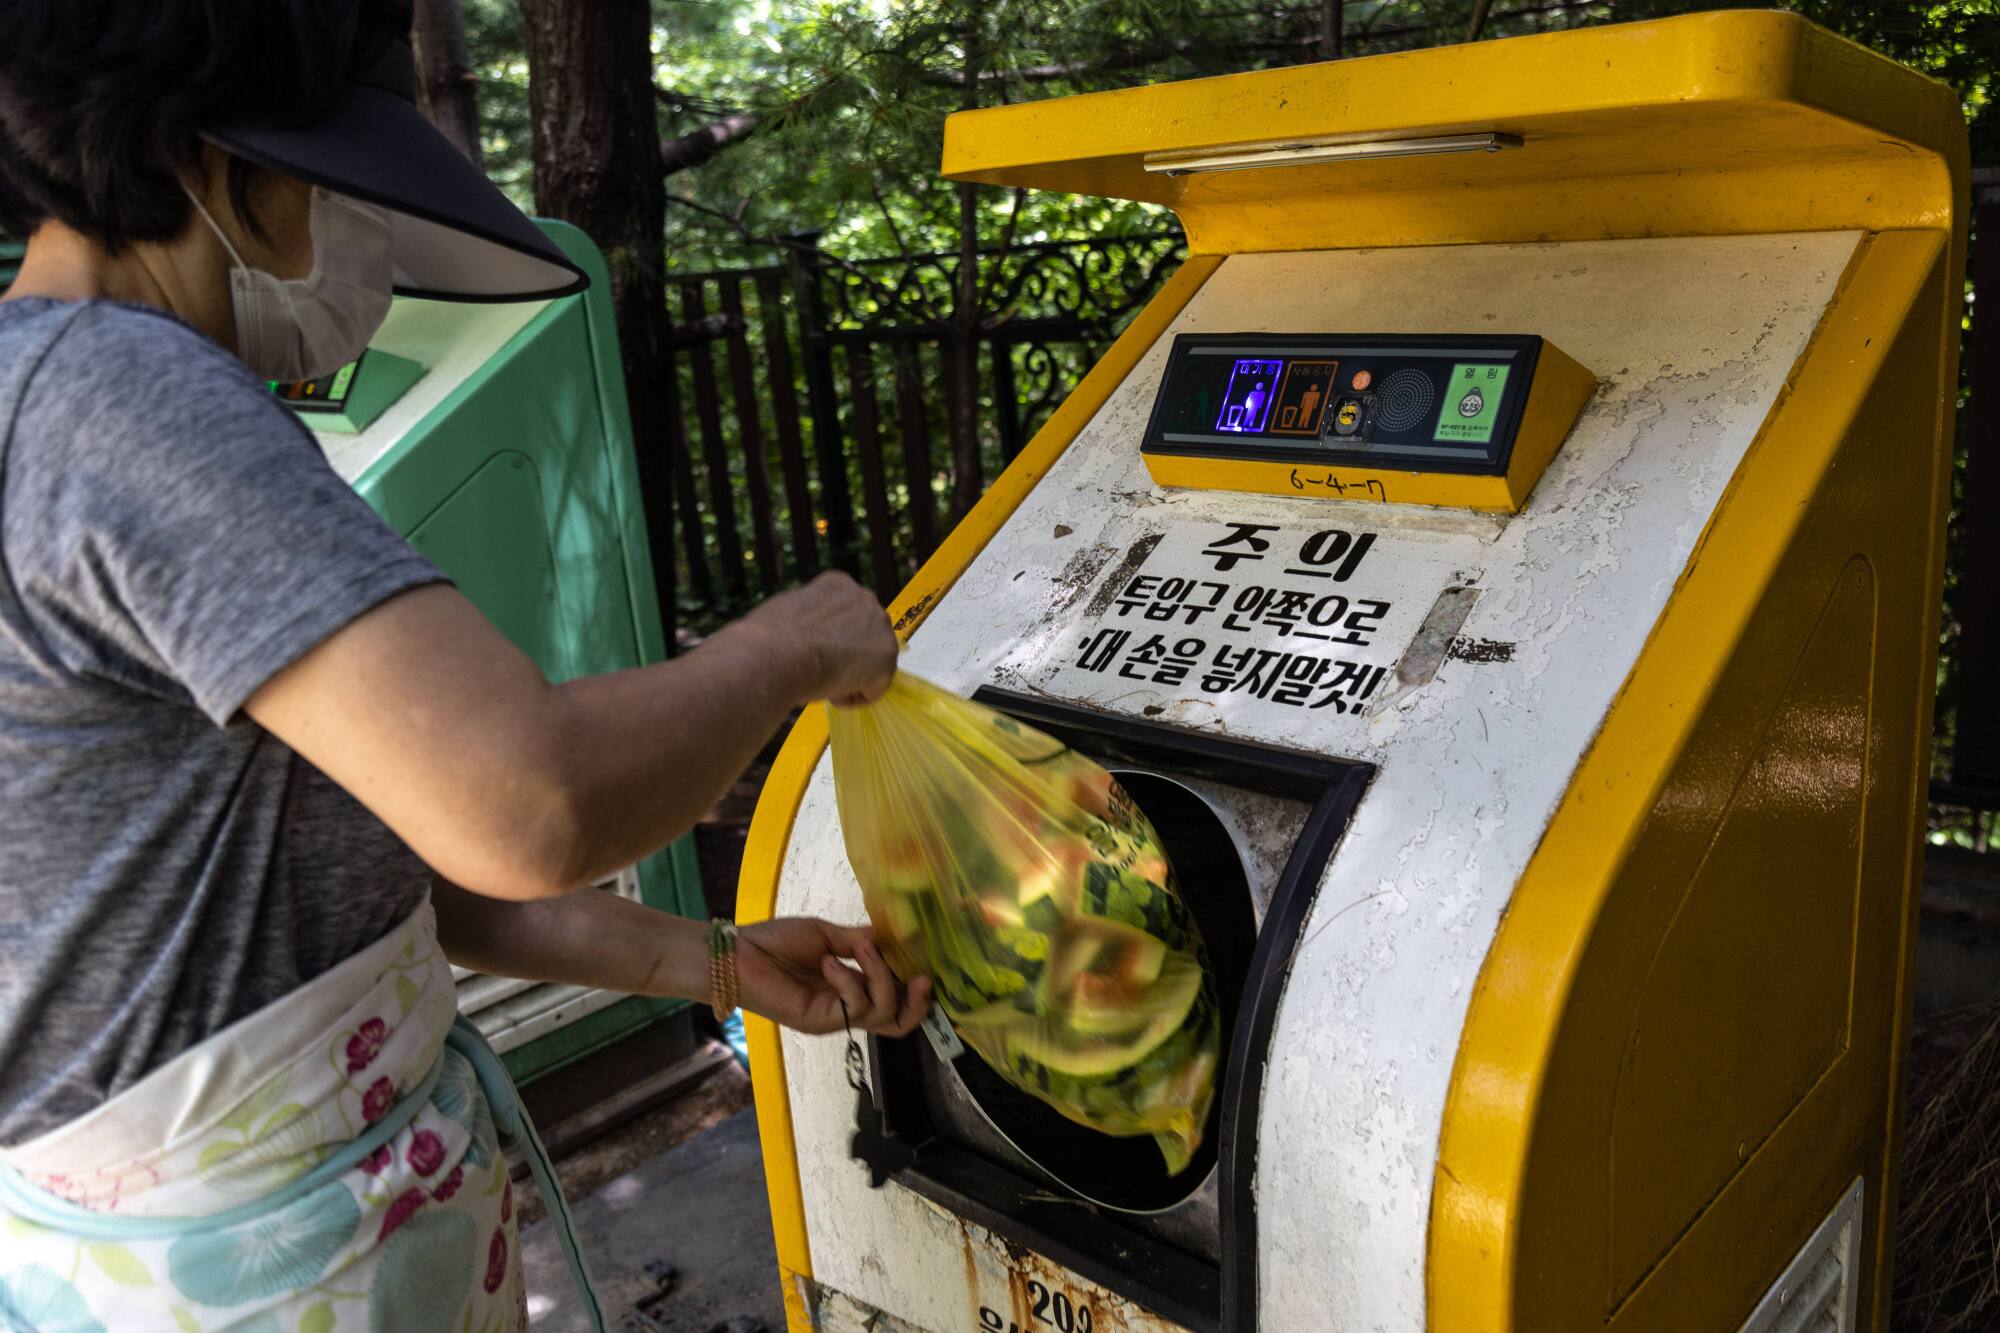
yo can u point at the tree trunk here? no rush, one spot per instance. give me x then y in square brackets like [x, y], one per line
[967, 482]
[445, 86]
[1329, 29]
[597, 165]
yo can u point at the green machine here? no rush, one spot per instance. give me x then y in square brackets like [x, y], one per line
[497, 439]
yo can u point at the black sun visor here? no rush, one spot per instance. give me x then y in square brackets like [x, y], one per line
[457, 237]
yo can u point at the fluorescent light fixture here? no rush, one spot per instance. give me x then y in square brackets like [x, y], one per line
[1249, 157]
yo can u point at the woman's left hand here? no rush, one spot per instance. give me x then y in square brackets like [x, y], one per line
[791, 971]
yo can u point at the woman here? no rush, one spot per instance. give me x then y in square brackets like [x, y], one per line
[251, 743]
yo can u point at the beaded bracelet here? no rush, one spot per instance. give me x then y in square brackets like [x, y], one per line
[722, 968]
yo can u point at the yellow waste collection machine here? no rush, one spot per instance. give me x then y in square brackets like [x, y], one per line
[1504, 561]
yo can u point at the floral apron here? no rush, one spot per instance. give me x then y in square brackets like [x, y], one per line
[331, 1162]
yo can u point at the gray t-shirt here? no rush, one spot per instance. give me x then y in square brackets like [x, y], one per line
[170, 538]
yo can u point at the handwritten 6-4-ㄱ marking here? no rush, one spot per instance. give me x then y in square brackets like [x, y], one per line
[1367, 489]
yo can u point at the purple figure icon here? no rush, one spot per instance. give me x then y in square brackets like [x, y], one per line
[1253, 403]
[1247, 400]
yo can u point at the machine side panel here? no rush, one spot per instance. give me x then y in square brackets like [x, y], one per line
[670, 879]
[1692, 340]
[538, 396]
[491, 539]
[1683, 1045]
[455, 344]
[1747, 1007]
[621, 456]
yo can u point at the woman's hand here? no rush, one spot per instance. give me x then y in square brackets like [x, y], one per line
[841, 633]
[791, 971]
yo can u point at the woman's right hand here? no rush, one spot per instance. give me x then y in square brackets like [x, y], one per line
[841, 632]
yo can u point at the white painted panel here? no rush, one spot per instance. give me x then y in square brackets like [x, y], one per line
[538, 1012]
[450, 340]
[477, 991]
[1691, 340]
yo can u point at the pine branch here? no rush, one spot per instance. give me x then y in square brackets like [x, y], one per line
[694, 148]
[675, 100]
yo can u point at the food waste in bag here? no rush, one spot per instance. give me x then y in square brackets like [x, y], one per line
[1025, 883]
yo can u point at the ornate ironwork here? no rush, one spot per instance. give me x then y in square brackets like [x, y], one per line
[1089, 285]
[1044, 372]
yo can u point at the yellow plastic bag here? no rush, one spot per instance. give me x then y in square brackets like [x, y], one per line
[1019, 876]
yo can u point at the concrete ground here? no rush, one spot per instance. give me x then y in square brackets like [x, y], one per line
[680, 1242]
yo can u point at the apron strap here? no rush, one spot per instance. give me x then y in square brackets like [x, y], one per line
[511, 1119]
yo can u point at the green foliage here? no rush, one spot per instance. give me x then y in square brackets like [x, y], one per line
[499, 54]
[853, 97]
[852, 94]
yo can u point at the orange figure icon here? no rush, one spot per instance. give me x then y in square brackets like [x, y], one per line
[1308, 403]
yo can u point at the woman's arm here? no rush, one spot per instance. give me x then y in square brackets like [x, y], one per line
[789, 970]
[519, 789]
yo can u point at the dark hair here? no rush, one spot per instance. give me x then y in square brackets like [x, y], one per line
[102, 102]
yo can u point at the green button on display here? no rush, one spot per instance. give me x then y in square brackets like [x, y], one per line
[1472, 403]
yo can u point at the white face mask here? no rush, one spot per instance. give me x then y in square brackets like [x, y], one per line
[292, 329]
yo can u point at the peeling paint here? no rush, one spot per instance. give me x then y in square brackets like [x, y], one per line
[1121, 573]
[915, 613]
[1427, 650]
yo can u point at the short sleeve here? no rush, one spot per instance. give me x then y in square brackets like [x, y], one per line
[169, 526]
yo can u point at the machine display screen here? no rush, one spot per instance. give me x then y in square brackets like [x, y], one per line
[1449, 403]
[326, 394]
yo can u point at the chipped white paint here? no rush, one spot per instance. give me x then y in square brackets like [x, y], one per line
[1691, 340]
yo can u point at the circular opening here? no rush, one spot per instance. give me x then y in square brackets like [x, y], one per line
[1128, 1173]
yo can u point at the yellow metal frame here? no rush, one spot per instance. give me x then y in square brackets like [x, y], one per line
[1553, 1022]
[1560, 389]
[1712, 124]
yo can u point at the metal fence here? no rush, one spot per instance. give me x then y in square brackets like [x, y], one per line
[821, 420]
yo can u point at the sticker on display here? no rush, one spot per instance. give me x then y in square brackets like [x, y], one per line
[1309, 618]
[944, 1041]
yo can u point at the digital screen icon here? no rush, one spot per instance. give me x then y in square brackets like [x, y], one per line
[1246, 405]
[1302, 398]
[1472, 403]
